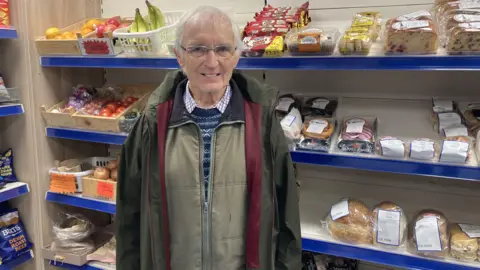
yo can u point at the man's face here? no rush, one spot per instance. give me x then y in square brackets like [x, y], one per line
[208, 71]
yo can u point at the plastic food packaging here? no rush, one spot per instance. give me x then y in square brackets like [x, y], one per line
[391, 147]
[471, 114]
[370, 20]
[464, 39]
[445, 120]
[355, 41]
[294, 16]
[328, 262]
[292, 126]
[358, 135]
[411, 37]
[442, 105]
[455, 130]
[317, 133]
[312, 41]
[464, 244]
[350, 221]
[390, 230]
[7, 171]
[320, 106]
[286, 103]
[456, 149]
[428, 235]
[424, 149]
[258, 46]
[453, 18]
[13, 238]
[106, 253]
[72, 234]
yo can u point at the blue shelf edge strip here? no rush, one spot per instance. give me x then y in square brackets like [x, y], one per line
[91, 204]
[7, 33]
[18, 261]
[298, 63]
[378, 256]
[11, 110]
[13, 193]
[85, 135]
[74, 267]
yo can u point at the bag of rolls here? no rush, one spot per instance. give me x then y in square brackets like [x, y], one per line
[350, 221]
[390, 230]
[428, 235]
[464, 244]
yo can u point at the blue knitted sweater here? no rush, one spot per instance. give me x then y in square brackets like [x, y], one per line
[207, 120]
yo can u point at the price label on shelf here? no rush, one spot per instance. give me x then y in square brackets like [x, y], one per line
[105, 190]
[62, 183]
[427, 234]
[472, 231]
[388, 227]
[339, 210]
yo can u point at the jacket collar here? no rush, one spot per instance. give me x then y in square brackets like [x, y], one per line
[235, 110]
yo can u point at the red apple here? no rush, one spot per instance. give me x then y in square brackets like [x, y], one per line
[110, 28]
[100, 31]
[114, 21]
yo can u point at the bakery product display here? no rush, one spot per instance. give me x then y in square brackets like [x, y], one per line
[424, 149]
[391, 147]
[350, 221]
[428, 234]
[444, 120]
[462, 246]
[358, 135]
[319, 106]
[286, 103]
[411, 37]
[390, 229]
[456, 149]
[464, 39]
[312, 41]
[316, 134]
[357, 41]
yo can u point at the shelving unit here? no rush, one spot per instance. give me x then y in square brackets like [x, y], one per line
[11, 109]
[13, 190]
[86, 135]
[90, 266]
[281, 63]
[82, 202]
[8, 33]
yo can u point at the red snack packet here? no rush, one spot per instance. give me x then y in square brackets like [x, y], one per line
[280, 30]
[263, 46]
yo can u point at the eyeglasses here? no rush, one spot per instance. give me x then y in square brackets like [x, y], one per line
[199, 50]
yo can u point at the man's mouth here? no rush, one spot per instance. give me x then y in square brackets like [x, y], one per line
[211, 75]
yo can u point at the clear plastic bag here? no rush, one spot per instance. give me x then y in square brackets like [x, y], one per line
[428, 235]
[317, 133]
[368, 19]
[392, 147]
[390, 230]
[320, 106]
[350, 221]
[411, 37]
[471, 113]
[424, 149]
[106, 253]
[286, 103]
[356, 41]
[456, 149]
[292, 125]
[464, 39]
[462, 246]
[72, 234]
[312, 41]
[444, 120]
[358, 135]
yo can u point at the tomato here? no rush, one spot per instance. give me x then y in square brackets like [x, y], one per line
[131, 99]
[112, 106]
[119, 103]
[106, 114]
[120, 109]
[114, 114]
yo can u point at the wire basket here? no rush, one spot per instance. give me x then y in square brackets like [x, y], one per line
[150, 42]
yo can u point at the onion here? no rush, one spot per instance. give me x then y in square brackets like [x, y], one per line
[101, 173]
[114, 174]
[112, 164]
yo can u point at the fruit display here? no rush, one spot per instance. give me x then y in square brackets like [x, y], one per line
[99, 27]
[106, 101]
[4, 13]
[155, 20]
[107, 173]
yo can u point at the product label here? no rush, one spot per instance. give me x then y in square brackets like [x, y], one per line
[410, 25]
[62, 183]
[455, 130]
[448, 119]
[468, 5]
[317, 126]
[339, 210]
[320, 104]
[441, 105]
[284, 104]
[392, 148]
[473, 231]
[414, 15]
[471, 25]
[465, 18]
[388, 231]
[420, 149]
[355, 125]
[427, 234]
[287, 121]
[105, 190]
[454, 151]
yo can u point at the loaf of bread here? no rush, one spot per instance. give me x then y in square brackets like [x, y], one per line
[311, 128]
[456, 149]
[391, 147]
[411, 37]
[395, 237]
[464, 39]
[428, 235]
[424, 149]
[463, 247]
[355, 227]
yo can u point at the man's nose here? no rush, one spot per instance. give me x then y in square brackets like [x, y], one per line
[212, 60]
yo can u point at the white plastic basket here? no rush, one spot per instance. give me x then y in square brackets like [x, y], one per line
[97, 161]
[151, 42]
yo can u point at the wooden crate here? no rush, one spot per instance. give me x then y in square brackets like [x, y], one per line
[71, 46]
[110, 124]
[53, 119]
[99, 189]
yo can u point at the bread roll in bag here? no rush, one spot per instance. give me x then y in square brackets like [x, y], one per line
[463, 247]
[390, 206]
[442, 232]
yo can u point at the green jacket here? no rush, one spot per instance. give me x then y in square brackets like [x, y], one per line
[253, 218]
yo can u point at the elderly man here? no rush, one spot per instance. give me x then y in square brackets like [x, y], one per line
[206, 180]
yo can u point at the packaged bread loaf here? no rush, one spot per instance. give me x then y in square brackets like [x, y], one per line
[456, 149]
[391, 147]
[471, 113]
[428, 235]
[464, 244]
[319, 106]
[411, 37]
[350, 221]
[390, 229]
[316, 134]
[424, 149]
[464, 39]
[444, 120]
[358, 135]
[286, 103]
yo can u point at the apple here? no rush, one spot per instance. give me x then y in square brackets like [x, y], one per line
[100, 30]
[110, 28]
[113, 21]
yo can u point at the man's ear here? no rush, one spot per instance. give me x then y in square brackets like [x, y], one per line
[179, 57]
